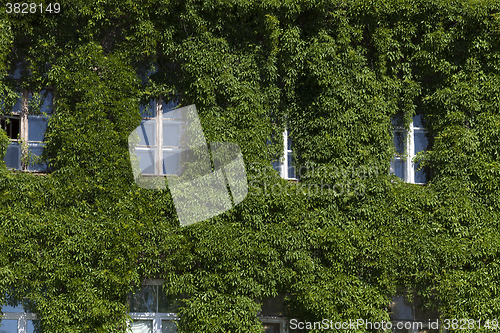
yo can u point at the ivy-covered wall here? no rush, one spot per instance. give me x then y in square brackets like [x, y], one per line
[74, 242]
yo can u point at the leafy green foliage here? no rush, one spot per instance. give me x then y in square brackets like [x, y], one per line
[338, 243]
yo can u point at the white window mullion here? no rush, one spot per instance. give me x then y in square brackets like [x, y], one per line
[410, 171]
[24, 128]
[284, 165]
[22, 324]
[159, 136]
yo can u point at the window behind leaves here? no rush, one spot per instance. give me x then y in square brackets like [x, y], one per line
[286, 166]
[152, 311]
[408, 144]
[160, 134]
[26, 130]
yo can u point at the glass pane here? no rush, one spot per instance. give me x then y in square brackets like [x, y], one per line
[8, 326]
[144, 300]
[13, 156]
[34, 326]
[147, 133]
[12, 126]
[397, 120]
[289, 143]
[277, 166]
[291, 169]
[19, 104]
[171, 162]
[170, 110]
[47, 106]
[418, 120]
[17, 73]
[169, 304]
[271, 327]
[147, 160]
[9, 308]
[142, 326]
[420, 176]
[168, 326]
[420, 141]
[148, 110]
[36, 127]
[399, 142]
[398, 168]
[171, 133]
[37, 149]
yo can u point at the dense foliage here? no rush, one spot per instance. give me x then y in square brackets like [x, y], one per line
[75, 241]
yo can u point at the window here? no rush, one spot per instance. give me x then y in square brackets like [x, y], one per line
[152, 311]
[271, 314]
[24, 125]
[408, 146]
[160, 134]
[17, 320]
[285, 166]
[407, 318]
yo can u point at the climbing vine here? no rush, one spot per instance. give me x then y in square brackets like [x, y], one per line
[340, 241]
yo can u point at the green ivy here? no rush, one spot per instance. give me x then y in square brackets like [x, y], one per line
[340, 242]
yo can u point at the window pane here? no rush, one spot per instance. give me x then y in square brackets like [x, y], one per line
[170, 111]
[36, 127]
[19, 104]
[11, 125]
[271, 327]
[291, 169]
[142, 326]
[37, 149]
[420, 141]
[147, 160]
[34, 326]
[168, 326]
[47, 106]
[420, 176]
[144, 300]
[398, 168]
[289, 143]
[8, 326]
[418, 121]
[169, 304]
[171, 162]
[148, 110]
[13, 156]
[171, 133]
[147, 133]
[399, 142]
[9, 308]
[397, 120]
[277, 166]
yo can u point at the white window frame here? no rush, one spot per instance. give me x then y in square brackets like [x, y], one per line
[410, 167]
[158, 117]
[275, 320]
[283, 167]
[22, 115]
[22, 319]
[156, 317]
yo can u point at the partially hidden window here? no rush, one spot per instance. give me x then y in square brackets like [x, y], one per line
[26, 129]
[16, 319]
[272, 315]
[160, 136]
[152, 311]
[408, 144]
[286, 166]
